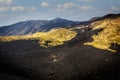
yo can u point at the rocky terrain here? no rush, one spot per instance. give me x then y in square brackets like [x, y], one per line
[91, 52]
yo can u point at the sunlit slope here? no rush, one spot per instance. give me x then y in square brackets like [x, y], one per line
[46, 39]
[109, 35]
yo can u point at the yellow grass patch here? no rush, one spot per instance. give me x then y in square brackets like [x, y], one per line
[110, 34]
[46, 39]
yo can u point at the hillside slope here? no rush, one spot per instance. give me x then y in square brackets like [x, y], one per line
[110, 34]
[51, 38]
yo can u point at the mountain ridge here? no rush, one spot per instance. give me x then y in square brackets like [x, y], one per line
[32, 26]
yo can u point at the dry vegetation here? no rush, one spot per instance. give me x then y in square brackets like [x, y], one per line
[110, 34]
[46, 39]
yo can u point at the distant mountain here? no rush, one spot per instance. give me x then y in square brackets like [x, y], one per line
[32, 26]
[89, 50]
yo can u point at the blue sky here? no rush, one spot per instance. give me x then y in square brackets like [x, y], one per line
[12, 11]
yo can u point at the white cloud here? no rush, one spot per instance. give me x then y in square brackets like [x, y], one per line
[9, 1]
[115, 8]
[66, 5]
[85, 8]
[22, 8]
[71, 5]
[5, 5]
[6, 2]
[3, 15]
[4, 9]
[32, 9]
[45, 4]
[86, 0]
[72, 12]
[16, 8]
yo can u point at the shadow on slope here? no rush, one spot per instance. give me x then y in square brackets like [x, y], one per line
[71, 61]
